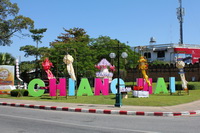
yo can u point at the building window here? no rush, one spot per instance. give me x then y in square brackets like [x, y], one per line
[161, 54]
[147, 54]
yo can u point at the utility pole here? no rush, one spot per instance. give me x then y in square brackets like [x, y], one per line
[180, 13]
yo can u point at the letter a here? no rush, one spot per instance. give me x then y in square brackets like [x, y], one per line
[84, 88]
[161, 86]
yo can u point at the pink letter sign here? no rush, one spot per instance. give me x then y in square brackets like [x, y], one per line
[142, 82]
[61, 86]
[99, 86]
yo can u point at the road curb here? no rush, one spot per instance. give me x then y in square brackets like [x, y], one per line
[101, 111]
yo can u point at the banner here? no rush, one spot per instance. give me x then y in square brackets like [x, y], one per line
[6, 75]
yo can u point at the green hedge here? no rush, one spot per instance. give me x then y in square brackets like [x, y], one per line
[19, 92]
[191, 87]
[179, 87]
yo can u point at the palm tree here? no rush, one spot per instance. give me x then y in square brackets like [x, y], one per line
[6, 59]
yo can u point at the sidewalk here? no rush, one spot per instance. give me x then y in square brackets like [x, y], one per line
[178, 110]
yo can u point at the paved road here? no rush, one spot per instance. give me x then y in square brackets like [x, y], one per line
[26, 120]
[182, 109]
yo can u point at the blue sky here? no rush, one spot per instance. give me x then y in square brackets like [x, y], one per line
[132, 21]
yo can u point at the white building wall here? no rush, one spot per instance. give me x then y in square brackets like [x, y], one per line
[169, 53]
[153, 56]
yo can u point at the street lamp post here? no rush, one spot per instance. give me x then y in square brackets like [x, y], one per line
[118, 99]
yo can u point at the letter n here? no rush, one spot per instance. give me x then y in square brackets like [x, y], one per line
[99, 86]
[144, 84]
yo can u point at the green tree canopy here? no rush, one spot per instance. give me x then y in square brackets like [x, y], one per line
[74, 42]
[31, 50]
[86, 52]
[37, 34]
[104, 45]
[11, 22]
[73, 35]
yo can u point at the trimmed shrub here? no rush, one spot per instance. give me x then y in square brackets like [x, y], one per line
[19, 92]
[179, 87]
[24, 92]
[191, 87]
[14, 93]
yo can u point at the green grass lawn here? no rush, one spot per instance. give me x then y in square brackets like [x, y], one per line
[153, 100]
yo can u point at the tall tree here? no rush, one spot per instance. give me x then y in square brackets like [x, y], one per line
[11, 22]
[30, 50]
[73, 35]
[37, 37]
[74, 42]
